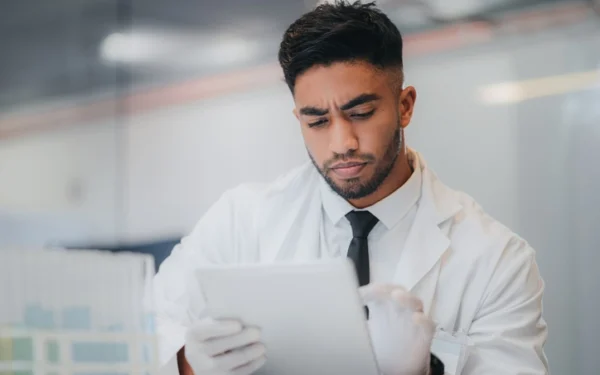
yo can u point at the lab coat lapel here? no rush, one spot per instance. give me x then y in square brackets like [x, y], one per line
[426, 242]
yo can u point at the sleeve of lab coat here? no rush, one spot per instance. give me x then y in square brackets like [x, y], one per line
[508, 332]
[215, 239]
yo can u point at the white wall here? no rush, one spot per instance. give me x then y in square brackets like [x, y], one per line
[466, 142]
[180, 160]
[59, 186]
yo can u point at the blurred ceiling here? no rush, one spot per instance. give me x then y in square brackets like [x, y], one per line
[64, 49]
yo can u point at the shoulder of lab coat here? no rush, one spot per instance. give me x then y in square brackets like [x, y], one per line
[506, 327]
[226, 233]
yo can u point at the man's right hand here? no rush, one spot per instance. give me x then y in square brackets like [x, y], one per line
[223, 347]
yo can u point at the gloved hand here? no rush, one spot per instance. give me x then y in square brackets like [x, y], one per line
[401, 333]
[223, 347]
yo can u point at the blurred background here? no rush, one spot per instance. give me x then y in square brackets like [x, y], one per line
[121, 121]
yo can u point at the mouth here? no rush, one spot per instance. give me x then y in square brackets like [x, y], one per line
[348, 170]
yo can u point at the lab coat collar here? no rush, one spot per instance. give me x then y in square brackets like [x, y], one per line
[389, 210]
[425, 245]
[426, 242]
[440, 201]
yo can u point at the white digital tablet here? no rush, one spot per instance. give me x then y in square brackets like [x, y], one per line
[311, 316]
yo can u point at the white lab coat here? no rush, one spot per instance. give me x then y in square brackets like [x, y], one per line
[473, 274]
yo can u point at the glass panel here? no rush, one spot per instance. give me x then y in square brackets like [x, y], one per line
[100, 352]
[6, 349]
[22, 349]
[52, 351]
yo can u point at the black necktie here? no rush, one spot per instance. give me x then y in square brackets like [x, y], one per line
[362, 223]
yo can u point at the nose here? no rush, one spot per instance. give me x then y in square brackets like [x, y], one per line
[343, 138]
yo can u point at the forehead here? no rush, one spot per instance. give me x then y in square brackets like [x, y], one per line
[339, 82]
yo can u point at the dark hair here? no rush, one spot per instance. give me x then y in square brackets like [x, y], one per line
[340, 32]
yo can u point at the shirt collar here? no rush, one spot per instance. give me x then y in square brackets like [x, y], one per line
[389, 210]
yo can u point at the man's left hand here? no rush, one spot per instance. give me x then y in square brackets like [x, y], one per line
[400, 332]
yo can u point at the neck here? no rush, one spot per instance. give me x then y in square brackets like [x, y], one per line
[398, 176]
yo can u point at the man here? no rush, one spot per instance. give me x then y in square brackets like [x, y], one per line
[425, 255]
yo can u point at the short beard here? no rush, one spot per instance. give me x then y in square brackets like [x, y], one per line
[356, 190]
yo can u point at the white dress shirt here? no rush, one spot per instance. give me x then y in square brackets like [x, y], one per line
[474, 276]
[395, 213]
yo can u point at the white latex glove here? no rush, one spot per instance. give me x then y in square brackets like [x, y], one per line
[223, 347]
[400, 332]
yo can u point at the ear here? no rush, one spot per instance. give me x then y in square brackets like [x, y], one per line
[406, 104]
[295, 111]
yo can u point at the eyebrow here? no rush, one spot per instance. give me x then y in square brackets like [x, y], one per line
[361, 99]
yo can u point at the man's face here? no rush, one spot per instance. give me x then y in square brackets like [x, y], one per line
[352, 119]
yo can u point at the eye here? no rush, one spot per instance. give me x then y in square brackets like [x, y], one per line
[363, 115]
[317, 123]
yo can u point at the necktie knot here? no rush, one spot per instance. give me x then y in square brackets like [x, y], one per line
[362, 222]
